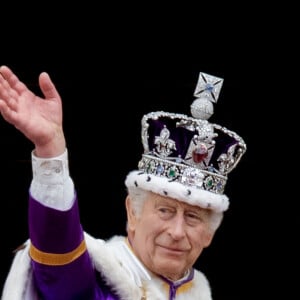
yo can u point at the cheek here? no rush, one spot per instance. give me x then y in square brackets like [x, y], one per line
[149, 229]
[200, 238]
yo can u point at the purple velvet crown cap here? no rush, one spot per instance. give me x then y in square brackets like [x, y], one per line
[189, 158]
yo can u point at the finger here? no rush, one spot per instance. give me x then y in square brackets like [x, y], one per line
[11, 80]
[47, 86]
[5, 71]
[7, 113]
[7, 94]
[8, 101]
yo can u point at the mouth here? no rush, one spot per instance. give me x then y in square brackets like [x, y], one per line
[172, 250]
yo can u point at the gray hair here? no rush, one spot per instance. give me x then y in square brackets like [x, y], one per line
[138, 197]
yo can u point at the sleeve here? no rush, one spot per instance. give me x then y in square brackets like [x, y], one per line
[62, 267]
[51, 184]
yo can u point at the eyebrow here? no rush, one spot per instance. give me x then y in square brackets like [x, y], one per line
[185, 206]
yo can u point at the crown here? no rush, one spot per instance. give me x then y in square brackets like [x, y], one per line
[189, 158]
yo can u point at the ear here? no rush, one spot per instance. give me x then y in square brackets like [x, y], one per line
[207, 238]
[131, 215]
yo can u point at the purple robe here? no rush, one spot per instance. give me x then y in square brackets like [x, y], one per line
[59, 232]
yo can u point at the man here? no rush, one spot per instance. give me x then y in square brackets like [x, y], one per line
[175, 204]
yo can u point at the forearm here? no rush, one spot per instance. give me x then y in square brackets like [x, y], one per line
[60, 260]
[61, 263]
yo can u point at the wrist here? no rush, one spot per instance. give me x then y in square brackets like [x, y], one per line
[55, 147]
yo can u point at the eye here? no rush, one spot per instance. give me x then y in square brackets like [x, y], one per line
[165, 212]
[193, 218]
[192, 215]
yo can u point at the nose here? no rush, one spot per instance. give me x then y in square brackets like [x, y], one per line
[177, 227]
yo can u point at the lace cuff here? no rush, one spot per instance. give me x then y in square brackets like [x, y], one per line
[51, 184]
[50, 171]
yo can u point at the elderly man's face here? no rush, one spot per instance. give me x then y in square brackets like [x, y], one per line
[169, 235]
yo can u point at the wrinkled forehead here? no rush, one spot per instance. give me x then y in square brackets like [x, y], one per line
[157, 199]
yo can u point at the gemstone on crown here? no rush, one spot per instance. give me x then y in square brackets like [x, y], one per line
[191, 150]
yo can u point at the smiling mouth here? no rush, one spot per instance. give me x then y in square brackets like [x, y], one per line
[172, 250]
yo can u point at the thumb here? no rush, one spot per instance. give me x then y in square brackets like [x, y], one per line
[47, 86]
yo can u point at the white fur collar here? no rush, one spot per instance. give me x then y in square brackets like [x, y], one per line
[127, 277]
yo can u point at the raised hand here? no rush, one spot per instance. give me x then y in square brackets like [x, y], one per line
[39, 119]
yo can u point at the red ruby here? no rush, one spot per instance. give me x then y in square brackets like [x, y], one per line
[200, 153]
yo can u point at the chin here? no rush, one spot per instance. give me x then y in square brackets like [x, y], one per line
[171, 270]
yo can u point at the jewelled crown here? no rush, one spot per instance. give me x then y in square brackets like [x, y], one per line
[189, 158]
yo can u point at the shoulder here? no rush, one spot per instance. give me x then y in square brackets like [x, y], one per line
[200, 277]
[202, 285]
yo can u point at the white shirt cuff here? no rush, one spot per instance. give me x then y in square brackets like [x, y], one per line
[51, 184]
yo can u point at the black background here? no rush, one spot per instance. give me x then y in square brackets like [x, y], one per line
[111, 67]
